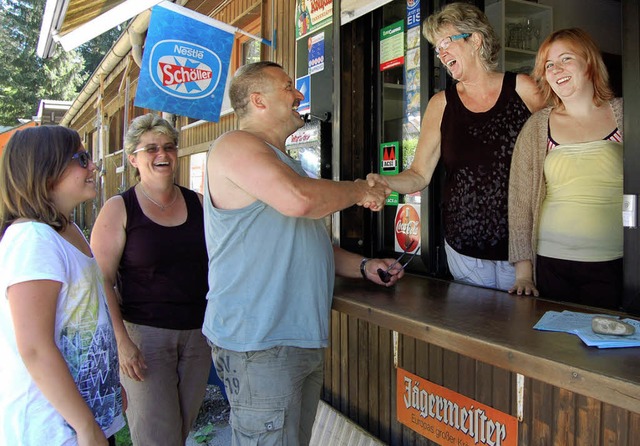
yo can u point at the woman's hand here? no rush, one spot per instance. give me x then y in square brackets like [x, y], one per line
[524, 279]
[524, 286]
[131, 360]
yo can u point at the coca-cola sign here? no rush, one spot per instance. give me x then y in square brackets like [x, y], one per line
[407, 227]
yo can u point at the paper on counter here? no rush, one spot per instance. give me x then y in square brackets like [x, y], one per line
[580, 324]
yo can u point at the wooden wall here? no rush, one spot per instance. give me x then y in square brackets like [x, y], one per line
[277, 24]
[360, 383]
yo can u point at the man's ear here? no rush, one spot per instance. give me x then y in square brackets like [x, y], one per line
[258, 100]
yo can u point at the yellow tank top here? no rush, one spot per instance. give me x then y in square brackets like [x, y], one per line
[581, 216]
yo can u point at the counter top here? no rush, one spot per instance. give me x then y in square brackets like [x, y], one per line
[496, 328]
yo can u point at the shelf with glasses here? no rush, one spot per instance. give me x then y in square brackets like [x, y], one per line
[521, 26]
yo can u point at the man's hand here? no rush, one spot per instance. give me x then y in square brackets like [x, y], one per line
[374, 194]
[395, 273]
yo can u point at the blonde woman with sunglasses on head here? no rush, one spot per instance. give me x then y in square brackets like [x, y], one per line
[472, 126]
[149, 243]
[59, 380]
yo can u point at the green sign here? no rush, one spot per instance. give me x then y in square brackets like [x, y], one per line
[390, 165]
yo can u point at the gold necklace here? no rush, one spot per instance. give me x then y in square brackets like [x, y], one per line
[161, 206]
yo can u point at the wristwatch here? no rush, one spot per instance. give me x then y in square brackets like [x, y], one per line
[363, 265]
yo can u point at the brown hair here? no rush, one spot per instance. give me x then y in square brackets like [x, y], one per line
[247, 79]
[466, 18]
[33, 161]
[584, 46]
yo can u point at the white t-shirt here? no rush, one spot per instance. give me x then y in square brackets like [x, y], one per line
[83, 333]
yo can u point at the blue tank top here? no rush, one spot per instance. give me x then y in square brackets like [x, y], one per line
[476, 151]
[270, 276]
[162, 275]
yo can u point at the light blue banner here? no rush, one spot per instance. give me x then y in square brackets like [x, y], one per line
[185, 64]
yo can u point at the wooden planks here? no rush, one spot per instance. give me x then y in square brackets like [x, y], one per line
[553, 415]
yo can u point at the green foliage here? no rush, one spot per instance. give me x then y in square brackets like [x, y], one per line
[94, 50]
[205, 434]
[408, 152]
[123, 437]
[25, 79]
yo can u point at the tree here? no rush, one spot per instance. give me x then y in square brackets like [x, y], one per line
[25, 79]
[94, 50]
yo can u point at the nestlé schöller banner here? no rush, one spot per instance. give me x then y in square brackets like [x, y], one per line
[185, 63]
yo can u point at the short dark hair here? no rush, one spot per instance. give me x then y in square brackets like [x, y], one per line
[248, 79]
[33, 161]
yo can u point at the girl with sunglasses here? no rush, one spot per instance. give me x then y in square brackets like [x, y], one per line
[59, 368]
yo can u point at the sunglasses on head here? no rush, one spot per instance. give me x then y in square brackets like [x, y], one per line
[154, 148]
[83, 158]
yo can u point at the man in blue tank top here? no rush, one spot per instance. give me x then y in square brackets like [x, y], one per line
[271, 262]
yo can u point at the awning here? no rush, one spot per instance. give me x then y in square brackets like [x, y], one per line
[352, 9]
[74, 22]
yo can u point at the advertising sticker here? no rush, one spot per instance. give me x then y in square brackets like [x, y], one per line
[449, 418]
[407, 228]
[389, 166]
[185, 63]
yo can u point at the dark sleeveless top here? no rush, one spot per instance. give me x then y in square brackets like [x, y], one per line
[162, 276]
[476, 150]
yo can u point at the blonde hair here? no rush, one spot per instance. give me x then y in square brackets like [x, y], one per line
[467, 19]
[583, 45]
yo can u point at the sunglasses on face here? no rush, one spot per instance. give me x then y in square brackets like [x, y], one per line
[83, 158]
[385, 275]
[152, 149]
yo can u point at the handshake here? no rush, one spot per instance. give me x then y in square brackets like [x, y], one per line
[374, 191]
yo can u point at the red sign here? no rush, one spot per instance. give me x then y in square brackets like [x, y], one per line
[407, 227]
[449, 418]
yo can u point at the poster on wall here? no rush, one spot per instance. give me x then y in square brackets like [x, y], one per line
[311, 15]
[392, 45]
[303, 85]
[450, 418]
[185, 63]
[413, 14]
[316, 53]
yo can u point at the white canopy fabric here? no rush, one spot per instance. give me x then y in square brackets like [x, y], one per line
[352, 9]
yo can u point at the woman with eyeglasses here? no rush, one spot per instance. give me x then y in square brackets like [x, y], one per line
[472, 126]
[59, 381]
[149, 243]
[565, 196]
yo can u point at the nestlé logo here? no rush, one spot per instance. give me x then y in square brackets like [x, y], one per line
[184, 69]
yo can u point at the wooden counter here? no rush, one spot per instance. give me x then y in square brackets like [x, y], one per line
[489, 328]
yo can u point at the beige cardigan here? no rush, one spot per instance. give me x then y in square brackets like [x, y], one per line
[527, 184]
